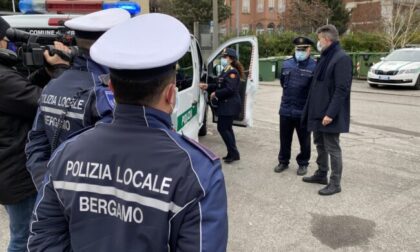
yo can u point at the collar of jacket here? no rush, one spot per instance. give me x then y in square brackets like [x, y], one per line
[302, 63]
[141, 115]
[227, 68]
[86, 64]
[335, 45]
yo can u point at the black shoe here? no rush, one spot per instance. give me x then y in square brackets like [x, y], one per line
[316, 178]
[225, 157]
[330, 189]
[302, 170]
[229, 160]
[281, 167]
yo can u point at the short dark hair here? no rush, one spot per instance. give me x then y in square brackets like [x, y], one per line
[85, 39]
[84, 44]
[329, 31]
[140, 87]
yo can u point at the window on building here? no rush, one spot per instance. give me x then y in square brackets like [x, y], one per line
[271, 4]
[223, 30]
[260, 6]
[282, 5]
[245, 29]
[246, 6]
[270, 28]
[259, 28]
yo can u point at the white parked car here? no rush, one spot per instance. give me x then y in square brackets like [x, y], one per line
[399, 68]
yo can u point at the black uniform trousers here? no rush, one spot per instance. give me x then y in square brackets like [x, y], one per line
[287, 126]
[224, 126]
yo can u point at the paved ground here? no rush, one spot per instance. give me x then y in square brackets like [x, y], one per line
[379, 207]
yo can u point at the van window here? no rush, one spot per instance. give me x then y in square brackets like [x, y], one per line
[245, 50]
[184, 72]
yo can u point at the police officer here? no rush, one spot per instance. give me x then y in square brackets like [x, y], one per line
[77, 99]
[295, 78]
[134, 184]
[226, 94]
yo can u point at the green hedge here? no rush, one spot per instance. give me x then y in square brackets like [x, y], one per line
[278, 44]
[364, 42]
[275, 45]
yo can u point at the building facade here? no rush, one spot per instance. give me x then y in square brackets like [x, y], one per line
[368, 15]
[258, 16]
[371, 15]
[255, 16]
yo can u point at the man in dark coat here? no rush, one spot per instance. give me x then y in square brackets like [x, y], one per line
[327, 110]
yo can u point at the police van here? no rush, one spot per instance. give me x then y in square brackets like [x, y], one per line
[190, 114]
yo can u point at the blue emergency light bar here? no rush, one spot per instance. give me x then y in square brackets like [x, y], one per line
[132, 7]
[45, 6]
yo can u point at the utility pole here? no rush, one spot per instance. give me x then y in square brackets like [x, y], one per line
[215, 24]
[237, 17]
[237, 26]
[13, 5]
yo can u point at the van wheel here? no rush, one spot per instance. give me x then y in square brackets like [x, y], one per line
[417, 86]
[374, 85]
[203, 129]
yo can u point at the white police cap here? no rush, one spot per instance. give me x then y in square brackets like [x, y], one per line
[99, 21]
[144, 42]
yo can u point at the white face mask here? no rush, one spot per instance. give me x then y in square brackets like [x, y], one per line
[224, 62]
[319, 46]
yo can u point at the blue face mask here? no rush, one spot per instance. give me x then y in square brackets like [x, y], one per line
[224, 62]
[301, 55]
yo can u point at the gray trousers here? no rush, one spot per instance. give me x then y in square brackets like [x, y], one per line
[328, 145]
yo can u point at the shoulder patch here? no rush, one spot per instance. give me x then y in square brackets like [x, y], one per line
[203, 149]
[110, 98]
[232, 75]
[104, 78]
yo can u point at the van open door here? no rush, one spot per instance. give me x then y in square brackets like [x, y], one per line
[247, 49]
[185, 117]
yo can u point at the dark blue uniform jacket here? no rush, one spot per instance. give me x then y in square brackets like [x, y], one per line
[295, 78]
[131, 185]
[227, 92]
[68, 104]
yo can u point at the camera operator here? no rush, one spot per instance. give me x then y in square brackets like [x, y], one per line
[18, 104]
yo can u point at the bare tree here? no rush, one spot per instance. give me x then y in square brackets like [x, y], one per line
[306, 16]
[190, 11]
[401, 28]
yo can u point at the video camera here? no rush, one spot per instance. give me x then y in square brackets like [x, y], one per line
[31, 47]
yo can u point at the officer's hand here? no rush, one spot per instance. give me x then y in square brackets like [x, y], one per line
[327, 120]
[204, 86]
[57, 60]
[213, 96]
